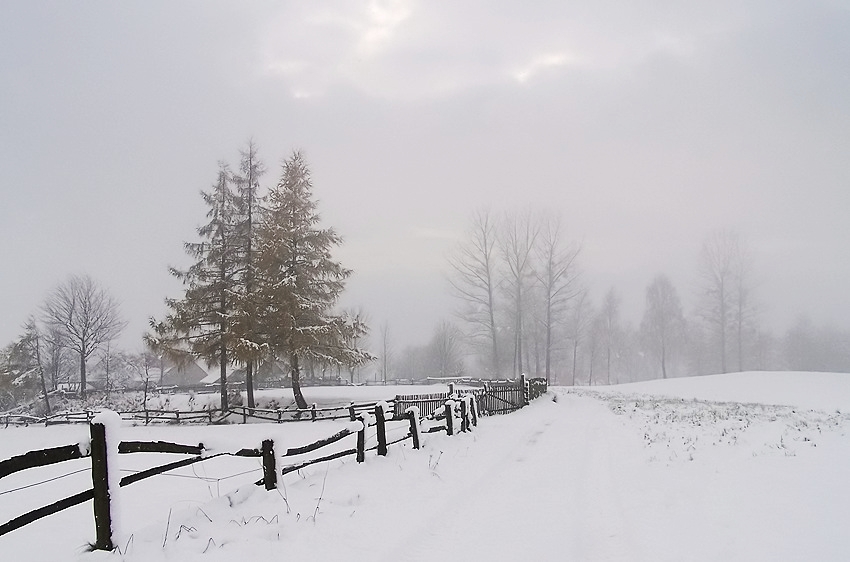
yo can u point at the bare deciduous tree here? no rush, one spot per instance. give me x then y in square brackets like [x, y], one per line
[609, 329]
[31, 344]
[474, 283]
[519, 235]
[663, 324]
[580, 321]
[725, 298]
[386, 352]
[85, 316]
[444, 350]
[557, 274]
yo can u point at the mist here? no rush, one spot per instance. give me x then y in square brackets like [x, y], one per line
[645, 129]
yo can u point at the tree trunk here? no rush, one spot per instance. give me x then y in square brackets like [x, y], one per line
[722, 329]
[740, 326]
[82, 375]
[249, 382]
[493, 335]
[41, 375]
[223, 378]
[575, 359]
[548, 365]
[518, 328]
[296, 382]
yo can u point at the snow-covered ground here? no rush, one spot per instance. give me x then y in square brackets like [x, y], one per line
[754, 469]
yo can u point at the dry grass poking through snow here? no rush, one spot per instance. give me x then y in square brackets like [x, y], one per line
[676, 429]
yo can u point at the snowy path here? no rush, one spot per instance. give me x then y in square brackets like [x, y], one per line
[553, 482]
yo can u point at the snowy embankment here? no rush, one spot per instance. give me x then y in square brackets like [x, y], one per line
[815, 391]
[628, 473]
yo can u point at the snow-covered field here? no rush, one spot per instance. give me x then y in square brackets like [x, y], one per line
[754, 469]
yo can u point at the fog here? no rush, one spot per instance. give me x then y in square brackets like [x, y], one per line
[645, 127]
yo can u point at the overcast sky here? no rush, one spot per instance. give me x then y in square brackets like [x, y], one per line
[645, 125]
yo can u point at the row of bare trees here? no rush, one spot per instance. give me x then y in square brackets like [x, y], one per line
[514, 277]
[523, 307]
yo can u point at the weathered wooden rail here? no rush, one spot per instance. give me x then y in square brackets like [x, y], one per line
[148, 416]
[313, 413]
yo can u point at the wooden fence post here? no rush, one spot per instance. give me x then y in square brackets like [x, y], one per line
[524, 388]
[351, 413]
[413, 416]
[464, 415]
[451, 389]
[269, 470]
[361, 441]
[100, 482]
[313, 412]
[473, 410]
[381, 425]
[450, 417]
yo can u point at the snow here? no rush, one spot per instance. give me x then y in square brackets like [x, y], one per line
[817, 391]
[749, 466]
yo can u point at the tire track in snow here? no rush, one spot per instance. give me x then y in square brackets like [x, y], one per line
[600, 526]
[560, 474]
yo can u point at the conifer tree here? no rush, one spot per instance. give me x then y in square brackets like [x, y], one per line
[298, 283]
[248, 347]
[201, 323]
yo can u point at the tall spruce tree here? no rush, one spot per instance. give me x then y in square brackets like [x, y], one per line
[298, 283]
[201, 323]
[249, 348]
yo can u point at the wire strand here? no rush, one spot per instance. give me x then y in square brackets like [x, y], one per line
[43, 481]
[195, 476]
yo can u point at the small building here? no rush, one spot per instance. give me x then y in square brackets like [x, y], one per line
[190, 374]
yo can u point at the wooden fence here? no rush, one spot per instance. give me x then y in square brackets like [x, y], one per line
[457, 416]
[211, 415]
[313, 413]
[454, 412]
[206, 415]
[493, 397]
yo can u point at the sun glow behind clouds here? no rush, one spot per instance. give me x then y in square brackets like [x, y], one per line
[382, 21]
[344, 40]
[543, 62]
[403, 50]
